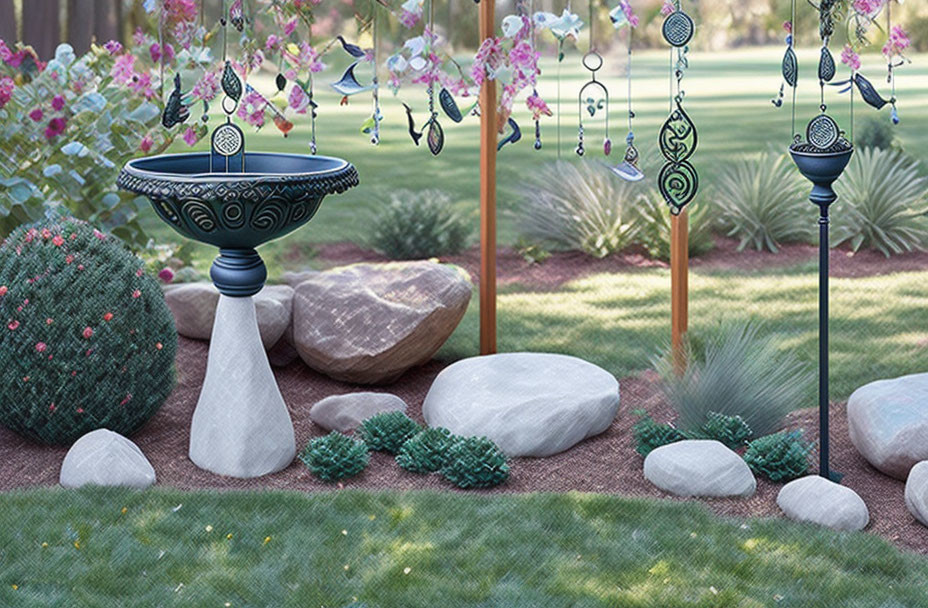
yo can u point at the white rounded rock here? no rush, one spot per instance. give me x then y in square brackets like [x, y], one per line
[888, 423]
[821, 501]
[105, 458]
[345, 413]
[529, 404]
[699, 467]
[916, 492]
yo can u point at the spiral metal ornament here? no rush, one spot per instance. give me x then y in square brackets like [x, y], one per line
[200, 215]
[678, 181]
[678, 184]
[269, 215]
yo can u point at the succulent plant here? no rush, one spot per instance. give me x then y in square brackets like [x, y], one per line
[387, 432]
[475, 462]
[733, 431]
[779, 457]
[427, 451]
[335, 456]
[650, 435]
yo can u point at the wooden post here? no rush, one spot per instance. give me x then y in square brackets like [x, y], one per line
[488, 133]
[8, 23]
[679, 286]
[41, 27]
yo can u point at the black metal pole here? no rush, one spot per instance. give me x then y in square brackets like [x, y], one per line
[823, 250]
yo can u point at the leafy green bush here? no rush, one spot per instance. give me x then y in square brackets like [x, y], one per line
[387, 432]
[418, 225]
[654, 232]
[873, 132]
[475, 462]
[650, 435]
[86, 341]
[579, 207]
[335, 456]
[883, 202]
[781, 456]
[427, 451]
[739, 373]
[762, 202]
[733, 431]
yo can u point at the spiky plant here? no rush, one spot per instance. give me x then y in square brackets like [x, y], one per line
[761, 201]
[427, 451]
[579, 207]
[417, 225]
[739, 373]
[86, 339]
[883, 203]
[387, 432]
[781, 456]
[335, 456]
[654, 232]
[650, 435]
[475, 462]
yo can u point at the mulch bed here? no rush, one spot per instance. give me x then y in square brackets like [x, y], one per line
[606, 463]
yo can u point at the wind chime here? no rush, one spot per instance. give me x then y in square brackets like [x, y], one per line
[678, 181]
[628, 168]
[587, 99]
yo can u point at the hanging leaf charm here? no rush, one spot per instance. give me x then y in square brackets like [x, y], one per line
[231, 84]
[826, 65]
[449, 106]
[175, 112]
[435, 137]
[678, 138]
[790, 67]
[281, 82]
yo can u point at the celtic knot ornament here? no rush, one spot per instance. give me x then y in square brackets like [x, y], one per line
[823, 132]
[678, 184]
[228, 140]
[678, 136]
[678, 28]
[790, 67]
[678, 181]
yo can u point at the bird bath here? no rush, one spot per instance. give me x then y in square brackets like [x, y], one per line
[241, 426]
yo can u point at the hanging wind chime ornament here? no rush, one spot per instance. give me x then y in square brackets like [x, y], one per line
[628, 170]
[678, 181]
[593, 96]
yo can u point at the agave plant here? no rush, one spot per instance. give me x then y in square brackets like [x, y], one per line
[738, 373]
[762, 202]
[580, 207]
[654, 233]
[883, 203]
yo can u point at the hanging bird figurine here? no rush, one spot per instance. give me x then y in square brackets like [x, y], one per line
[416, 135]
[175, 112]
[352, 49]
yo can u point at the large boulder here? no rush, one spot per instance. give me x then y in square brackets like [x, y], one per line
[530, 404]
[699, 467]
[888, 423]
[105, 458]
[345, 413]
[820, 501]
[194, 308]
[916, 492]
[369, 323]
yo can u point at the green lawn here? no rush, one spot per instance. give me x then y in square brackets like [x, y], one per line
[382, 550]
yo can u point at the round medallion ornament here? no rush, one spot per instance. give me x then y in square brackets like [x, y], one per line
[678, 28]
[823, 132]
[228, 140]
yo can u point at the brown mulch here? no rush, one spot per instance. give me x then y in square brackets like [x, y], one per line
[606, 463]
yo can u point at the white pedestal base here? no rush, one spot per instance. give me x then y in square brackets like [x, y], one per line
[241, 426]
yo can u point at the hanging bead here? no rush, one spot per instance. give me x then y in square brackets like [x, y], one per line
[607, 146]
[537, 135]
[580, 149]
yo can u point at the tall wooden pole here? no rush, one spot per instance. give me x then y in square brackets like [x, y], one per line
[488, 133]
[679, 286]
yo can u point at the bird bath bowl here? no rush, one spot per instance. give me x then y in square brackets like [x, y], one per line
[241, 426]
[821, 168]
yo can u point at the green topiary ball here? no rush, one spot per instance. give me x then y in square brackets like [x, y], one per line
[335, 456]
[781, 456]
[475, 462]
[427, 451]
[86, 340]
[388, 432]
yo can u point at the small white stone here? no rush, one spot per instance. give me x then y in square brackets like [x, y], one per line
[345, 413]
[105, 458]
[821, 501]
[699, 467]
[916, 492]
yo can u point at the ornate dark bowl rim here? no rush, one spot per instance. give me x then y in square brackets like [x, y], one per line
[795, 152]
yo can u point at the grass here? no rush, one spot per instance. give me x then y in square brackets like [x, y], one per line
[168, 548]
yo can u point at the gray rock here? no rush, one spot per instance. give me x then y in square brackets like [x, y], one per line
[530, 404]
[916, 492]
[369, 323]
[699, 467]
[888, 423]
[345, 413]
[194, 309]
[820, 501]
[105, 458]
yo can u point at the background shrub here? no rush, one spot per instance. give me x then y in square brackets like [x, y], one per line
[781, 456]
[763, 203]
[654, 230]
[883, 201]
[650, 435]
[739, 373]
[475, 462]
[387, 432]
[874, 132]
[581, 207]
[335, 456]
[417, 225]
[427, 451]
[86, 340]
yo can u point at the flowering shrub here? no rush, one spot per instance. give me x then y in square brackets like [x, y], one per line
[86, 340]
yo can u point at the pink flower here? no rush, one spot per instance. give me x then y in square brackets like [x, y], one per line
[190, 136]
[298, 99]
[290, 27]
[668, 7]
[41, 346]
[155, 51]
[869, 8]
[56, 127]
[166, 275]
[123, 69]
[788, 27]
[113, 47]
[897, 42]
[252, 108]
[272, 42]
[409, 18]
[141, 84]
[46, 233]
[108, 317]
[629, 13]
[3, 290]
[538, 106]
[100, 236]
[146, 144]
[136, 294]
[87, 333]
[850, 57]
[36, 115]
[6, 90]
[13, 326]
[58, 103]
[58, 240]
[138, 38]
[5, 53]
